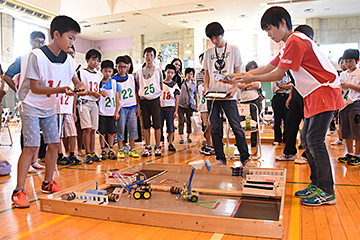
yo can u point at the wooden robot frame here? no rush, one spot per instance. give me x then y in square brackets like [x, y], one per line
[196, 222]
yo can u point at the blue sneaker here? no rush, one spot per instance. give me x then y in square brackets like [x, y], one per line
[306, 192]
[88, 159]
[319, 197]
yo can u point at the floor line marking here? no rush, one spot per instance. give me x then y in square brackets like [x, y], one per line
[22, 235]
[217, 236]
[294, 229]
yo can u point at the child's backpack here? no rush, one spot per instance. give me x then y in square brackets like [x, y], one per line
[5, 167]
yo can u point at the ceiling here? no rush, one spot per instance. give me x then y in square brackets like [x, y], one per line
[146, 16]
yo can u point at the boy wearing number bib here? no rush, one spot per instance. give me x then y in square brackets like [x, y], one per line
[49, 73]
[150, 81]
[208, 149]
[88, 109]
[108, 109]
[129, 107]
[169, 102]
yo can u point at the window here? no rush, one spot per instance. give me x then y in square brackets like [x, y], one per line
[22, 31]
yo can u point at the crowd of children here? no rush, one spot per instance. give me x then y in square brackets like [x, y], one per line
[109, 104]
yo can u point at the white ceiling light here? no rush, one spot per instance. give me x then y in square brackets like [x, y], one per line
[308, 10]
[243, 16]
[199, 5]
[169, 23]
[107, 31]
[119, 30]
[136, 14]
[188, 12]
[183, 22]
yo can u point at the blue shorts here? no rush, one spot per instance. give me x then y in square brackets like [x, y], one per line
[31, 130]
[169, 117]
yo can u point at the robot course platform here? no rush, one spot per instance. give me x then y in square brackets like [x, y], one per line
[221, 206]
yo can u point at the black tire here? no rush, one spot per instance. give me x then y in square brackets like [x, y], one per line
[194, 198]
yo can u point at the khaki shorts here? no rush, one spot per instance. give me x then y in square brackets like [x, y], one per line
[89, 115]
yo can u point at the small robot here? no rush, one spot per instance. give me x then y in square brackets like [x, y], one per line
[186, 192]
[142, 190]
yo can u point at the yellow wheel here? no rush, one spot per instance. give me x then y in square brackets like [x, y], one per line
[137, 195]
[147, 195]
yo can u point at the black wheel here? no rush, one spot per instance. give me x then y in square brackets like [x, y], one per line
[147, 195]
[137, 195]
[194, 198]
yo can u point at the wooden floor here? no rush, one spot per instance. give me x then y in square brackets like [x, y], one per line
[338, 222]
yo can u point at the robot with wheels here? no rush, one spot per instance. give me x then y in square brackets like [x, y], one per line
[142, 190]
[186, 192]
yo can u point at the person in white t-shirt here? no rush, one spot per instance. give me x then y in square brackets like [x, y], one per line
[66, 116]
[150, 81]
[88, 109]
[220, 60]
[249, 94]
[49, 73]
[350, 131]
[169, 103]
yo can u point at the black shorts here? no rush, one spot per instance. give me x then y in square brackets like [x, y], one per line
[107, 125]
[151, 108]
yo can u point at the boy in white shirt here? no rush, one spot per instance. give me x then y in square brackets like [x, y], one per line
[88, 109]
[169, 102]
[208, 149]
[66, 116]
[150, 81]
[129, 107]
[49, 72]
[350, 82]
[108, 109]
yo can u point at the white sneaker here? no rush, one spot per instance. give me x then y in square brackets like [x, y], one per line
[337, 142]
[284, 157]
[32, 170]
[37, 165]
[301, 160]
[249, 163]
[276, 143]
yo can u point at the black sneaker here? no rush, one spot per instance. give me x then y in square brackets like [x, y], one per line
[157, 151]
[75, 160]
[111, 155]
[103, 155]
[354, 161]
[64, 161]
[345, 158]
[147, 152]
[88, 159]
[95, 158]
[171, 148]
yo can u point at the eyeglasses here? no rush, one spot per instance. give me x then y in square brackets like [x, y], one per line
[39, 41]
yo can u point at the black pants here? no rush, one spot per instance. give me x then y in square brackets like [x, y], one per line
[280, 113]
[294, 116]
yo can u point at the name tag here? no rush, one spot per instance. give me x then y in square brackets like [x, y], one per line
[218, 77]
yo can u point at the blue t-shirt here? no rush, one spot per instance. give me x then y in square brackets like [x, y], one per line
[108, 86]
[14, 68]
